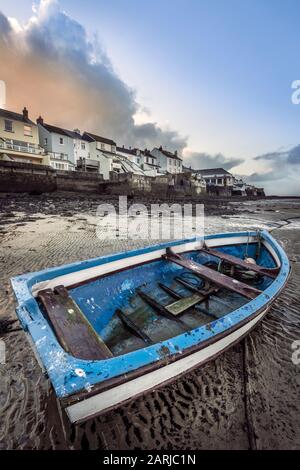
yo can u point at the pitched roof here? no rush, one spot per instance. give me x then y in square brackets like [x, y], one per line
[213, 171]
[152, 164]
[148, 153]
[97, 138]
[169, 154]
[125, 150]
[60, 131]
[14, 116]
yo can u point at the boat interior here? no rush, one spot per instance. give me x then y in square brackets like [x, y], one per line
[147, 303]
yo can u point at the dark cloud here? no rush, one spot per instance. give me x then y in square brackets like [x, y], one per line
[5, 27]
[52, 67]
[283, 175]
[294, 156]
[262, 177]
[286, 157]
[199, 160]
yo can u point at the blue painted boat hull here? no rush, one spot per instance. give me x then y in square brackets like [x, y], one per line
[99, 286]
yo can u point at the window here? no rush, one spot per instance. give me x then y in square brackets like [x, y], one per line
[220, 180]
[61, 141]
[152, 161]
[102, 146]
[113, 148]
[59, 166]
[8, 125]
[138, 161]
[82, 145]
[46, 141]
[28, 131]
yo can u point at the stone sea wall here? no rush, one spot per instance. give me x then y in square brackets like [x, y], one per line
[16, 177]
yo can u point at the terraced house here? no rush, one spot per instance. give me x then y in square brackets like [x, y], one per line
[142, 162]
[63, 147]
[19, 138]
[167, 161]
[103, 158]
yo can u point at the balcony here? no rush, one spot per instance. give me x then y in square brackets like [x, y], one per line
[22, 147]
[87, 164]
[58, 156]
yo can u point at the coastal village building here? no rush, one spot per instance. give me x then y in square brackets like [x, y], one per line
[239, 187]
[59, 144]
[129, 166]
[169, 162]
[19, 138]
[81, 146]
[217, 177]
[103, 158]
[197, 177]
[146, 162]
[149, 163]
[132, 154]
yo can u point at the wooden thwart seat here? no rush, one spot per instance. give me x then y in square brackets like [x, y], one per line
[74, 332]
[234, 261]
[184, 303]
[217, 278]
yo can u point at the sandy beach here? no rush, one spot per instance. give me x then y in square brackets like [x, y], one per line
[248, 398]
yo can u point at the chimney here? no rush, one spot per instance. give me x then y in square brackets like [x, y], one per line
[176, 153]
[77, 131]
[25, 114]
[160, 148]
[40, 120]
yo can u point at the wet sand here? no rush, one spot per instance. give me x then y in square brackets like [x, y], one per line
[246, 398]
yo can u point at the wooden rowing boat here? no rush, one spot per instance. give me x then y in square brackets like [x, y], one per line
[109, 329]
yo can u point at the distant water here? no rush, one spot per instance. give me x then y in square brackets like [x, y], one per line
[246, 398]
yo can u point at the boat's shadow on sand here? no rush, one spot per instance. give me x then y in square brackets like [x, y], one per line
[246, 398]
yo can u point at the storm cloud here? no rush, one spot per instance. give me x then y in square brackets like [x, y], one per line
[200, 160]
[283, 173]
[52, 67]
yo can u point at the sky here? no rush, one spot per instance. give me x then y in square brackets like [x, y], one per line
[211, 78]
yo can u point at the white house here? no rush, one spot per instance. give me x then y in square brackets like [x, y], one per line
[81, 146]
[60, 145]
[102, 155]
[216, 177]
[142, 160]
[149, 163]
[168, 162]
[131, 154]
